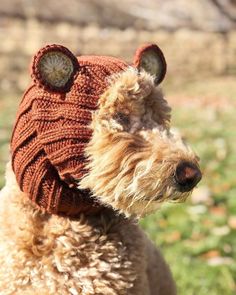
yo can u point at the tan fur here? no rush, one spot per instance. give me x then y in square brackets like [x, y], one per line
[133, 157]
[105, 254]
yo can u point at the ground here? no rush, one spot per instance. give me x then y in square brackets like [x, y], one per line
[198, 238]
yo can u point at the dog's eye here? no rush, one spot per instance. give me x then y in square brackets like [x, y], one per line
[122, 119]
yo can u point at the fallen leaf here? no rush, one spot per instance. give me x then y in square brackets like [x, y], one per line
[232, 222]
[163, 223]
[173, 237]
[211, 254]
[207, 222]
[219, 211]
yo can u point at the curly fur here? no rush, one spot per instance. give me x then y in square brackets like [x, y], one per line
[58, 255]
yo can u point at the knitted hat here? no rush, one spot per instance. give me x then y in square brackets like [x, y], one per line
[52, 124]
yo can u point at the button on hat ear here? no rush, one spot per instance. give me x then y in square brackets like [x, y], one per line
[54, 67]
[150, 58]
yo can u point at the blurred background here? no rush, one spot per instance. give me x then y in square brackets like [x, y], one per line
[198, 37]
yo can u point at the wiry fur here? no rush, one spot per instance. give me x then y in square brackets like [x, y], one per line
[43, 254]
[133, 154]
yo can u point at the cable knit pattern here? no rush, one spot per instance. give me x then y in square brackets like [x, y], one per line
[50, 135]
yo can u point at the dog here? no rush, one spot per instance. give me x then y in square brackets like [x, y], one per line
[92, 151]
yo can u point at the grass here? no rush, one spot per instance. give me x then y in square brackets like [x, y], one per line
[198, 237]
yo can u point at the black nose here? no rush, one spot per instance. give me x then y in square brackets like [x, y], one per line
[187, 175]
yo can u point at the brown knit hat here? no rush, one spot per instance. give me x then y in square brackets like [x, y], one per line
[52, 124]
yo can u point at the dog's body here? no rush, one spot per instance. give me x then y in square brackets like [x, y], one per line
[91, 151]
[42, 254]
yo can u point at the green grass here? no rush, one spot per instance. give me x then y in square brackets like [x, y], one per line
[197, 238]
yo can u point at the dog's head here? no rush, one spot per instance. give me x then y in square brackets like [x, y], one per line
[95, 128]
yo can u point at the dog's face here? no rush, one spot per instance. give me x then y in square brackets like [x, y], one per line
[135, 161]
[97, 124]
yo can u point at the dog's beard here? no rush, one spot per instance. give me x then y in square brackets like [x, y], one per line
[134, 175]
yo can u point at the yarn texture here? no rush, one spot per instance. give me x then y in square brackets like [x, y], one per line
[52, 130]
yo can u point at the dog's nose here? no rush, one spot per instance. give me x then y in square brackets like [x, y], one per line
[187, 175]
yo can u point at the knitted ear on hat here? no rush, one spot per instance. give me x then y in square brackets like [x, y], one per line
[54, 67]
[151, 59]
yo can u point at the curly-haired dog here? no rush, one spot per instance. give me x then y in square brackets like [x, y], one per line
[91, 151]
